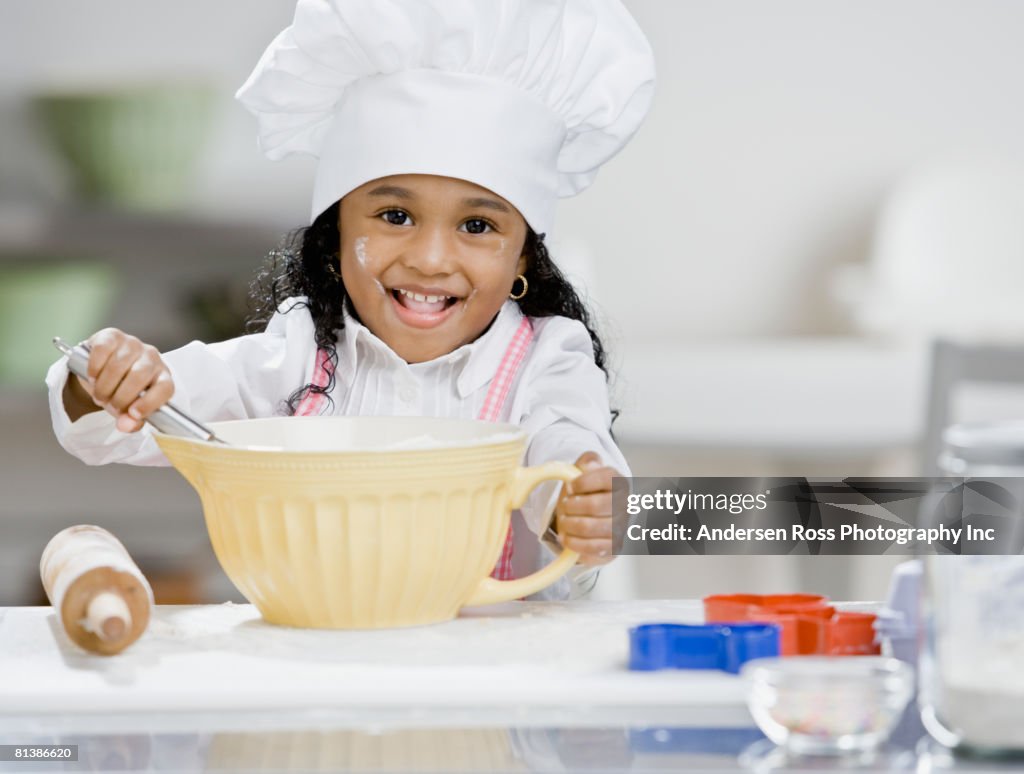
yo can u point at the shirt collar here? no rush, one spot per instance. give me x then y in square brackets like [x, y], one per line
[479, 359]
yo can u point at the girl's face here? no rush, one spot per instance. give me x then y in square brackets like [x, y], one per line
[428, 261]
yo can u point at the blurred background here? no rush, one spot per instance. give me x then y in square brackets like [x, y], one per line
[808, 262]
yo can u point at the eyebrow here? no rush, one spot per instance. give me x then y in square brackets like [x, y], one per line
[489, 204]
[404, 193]
[392, 190]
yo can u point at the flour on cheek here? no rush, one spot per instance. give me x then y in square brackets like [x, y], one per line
[359, 247]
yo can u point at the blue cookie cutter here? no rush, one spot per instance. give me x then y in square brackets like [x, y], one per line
[706, 646]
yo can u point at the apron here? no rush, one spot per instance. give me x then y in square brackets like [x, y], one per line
[500, 387]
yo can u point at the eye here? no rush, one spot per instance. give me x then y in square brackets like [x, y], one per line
[395, 217]
[477, 226]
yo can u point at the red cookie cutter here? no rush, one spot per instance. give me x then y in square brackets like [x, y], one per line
[852, 634]
[810, 624]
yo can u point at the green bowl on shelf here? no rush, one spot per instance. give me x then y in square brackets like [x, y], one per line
[40, 300]
[135, 148]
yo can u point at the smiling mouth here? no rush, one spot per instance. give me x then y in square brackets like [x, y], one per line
[422, 303]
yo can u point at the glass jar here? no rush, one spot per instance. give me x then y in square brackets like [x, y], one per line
[971, 689]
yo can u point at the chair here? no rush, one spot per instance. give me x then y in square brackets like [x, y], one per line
[954, 363]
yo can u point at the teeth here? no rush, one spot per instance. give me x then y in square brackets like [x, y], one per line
[421, 297]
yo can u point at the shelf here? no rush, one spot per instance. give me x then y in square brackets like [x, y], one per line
[162, 260]
[29, 230]
[783, 394]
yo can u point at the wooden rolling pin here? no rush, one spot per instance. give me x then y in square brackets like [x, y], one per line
[101, 598]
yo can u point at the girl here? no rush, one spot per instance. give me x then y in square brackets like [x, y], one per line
[445, 131]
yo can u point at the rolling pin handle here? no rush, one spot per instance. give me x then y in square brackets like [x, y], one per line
[108, 616]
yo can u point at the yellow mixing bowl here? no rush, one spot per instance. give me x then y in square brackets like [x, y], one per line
[364, 522]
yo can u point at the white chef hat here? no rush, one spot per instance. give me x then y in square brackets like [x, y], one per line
[527, 98]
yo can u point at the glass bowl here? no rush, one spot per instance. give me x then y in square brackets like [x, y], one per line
[828, 705]
[45, 296]
[135, 146]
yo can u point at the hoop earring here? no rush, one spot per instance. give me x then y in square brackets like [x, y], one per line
[332, 271]
[526, 286]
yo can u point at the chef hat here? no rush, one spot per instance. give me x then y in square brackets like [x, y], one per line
[527, 98]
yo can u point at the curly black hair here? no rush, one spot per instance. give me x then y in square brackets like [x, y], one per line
[303, 267]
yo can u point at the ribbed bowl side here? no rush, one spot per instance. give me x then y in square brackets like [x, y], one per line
[256, 525]
[367, 562]
[332, 549]
[405, 527]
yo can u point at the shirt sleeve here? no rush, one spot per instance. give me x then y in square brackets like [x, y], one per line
[246, 377]
[564, 409]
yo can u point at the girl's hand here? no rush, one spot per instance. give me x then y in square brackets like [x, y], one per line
[121, 369]
[583, 515]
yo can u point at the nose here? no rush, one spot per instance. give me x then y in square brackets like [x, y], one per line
[431, 252]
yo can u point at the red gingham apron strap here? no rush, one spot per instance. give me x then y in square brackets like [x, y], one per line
[491, 411]
[312, 402]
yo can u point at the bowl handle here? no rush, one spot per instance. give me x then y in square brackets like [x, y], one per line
[492, 590]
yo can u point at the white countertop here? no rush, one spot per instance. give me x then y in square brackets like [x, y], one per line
[514, 687]
[223, 658]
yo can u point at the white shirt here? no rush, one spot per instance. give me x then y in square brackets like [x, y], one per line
[559, 397]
